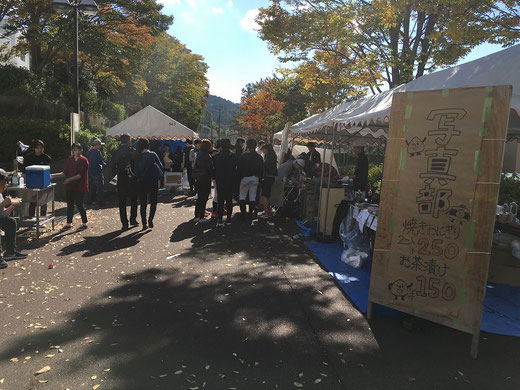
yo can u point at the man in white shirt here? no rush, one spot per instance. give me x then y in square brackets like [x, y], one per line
[259, 148]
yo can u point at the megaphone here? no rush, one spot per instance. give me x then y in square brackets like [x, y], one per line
[23, 147]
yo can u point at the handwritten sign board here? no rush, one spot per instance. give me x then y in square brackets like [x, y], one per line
[439, 194]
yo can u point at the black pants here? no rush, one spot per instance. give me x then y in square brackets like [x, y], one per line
[225, 196]
[148, 191]
[75, 198]
[32, 210]
[9, 226]
[127, 188]
[203, 188]
[189, 169]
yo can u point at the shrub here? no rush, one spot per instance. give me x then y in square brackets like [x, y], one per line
[54, 133]
[375, 175]
[509, 188]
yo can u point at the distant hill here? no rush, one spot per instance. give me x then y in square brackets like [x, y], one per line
[228, 109]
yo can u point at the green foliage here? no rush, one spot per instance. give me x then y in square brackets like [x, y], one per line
[509, 189]
[55, 134]
[375, 176]
[174, 82]
[16, 81]
[227, 109]
[347, 46]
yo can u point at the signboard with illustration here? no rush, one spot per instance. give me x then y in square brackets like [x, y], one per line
[438, 200]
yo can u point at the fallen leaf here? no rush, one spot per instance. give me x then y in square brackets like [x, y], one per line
[49, 356]
[42, 380]
[163, 376]
[95, 387]
[178, 372]
[298, 384]
[317, 380]
[14, 360]
[411, 379]
[107, 370]
[461, 373]
[43, 370]
[93, 377]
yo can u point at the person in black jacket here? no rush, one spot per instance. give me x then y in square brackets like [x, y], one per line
[225, 176]
[36, 157]
[249, 171]
[313, 155]
[238, 149]
[269, 174]
[149, 171]
[202, 172]
[360, 181]
[122, 165]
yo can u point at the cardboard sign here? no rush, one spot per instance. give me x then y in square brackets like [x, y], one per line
[438, 201]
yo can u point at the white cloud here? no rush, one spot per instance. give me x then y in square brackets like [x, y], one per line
[248, 22]
[187, 17]
[193, 3]
[218, 10]
[225, 88]
[230, 3]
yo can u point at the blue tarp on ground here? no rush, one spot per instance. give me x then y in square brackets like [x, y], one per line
[501, 306]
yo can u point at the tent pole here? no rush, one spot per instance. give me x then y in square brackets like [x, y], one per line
[318, 229]
[328, 182]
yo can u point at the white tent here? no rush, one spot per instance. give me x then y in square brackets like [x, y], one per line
[369, 116]
[151, 123]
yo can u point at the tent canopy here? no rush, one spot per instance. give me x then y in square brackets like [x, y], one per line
[151, 123]
[299, 149]
[370, 115]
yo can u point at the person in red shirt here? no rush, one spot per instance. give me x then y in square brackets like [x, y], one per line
[76, 184]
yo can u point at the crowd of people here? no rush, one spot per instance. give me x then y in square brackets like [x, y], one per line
[243, 173]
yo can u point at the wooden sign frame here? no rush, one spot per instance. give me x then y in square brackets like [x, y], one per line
[438, 202]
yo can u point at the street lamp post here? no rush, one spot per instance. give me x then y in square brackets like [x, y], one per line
[89, 8]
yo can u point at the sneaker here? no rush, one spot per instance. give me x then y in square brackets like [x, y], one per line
[124, 227]
[83, 226]
[68, 226]
[228, 222]
[220, 223]
[204, 220]
[150, 224]
[196, 220]
[134, 223]
[3, 263]
[14, 256]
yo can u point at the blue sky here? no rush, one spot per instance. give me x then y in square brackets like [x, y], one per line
[223, 31]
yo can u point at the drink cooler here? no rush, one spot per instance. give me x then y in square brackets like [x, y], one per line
[37, 176]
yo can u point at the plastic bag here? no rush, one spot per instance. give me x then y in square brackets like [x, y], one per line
[354, 258]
